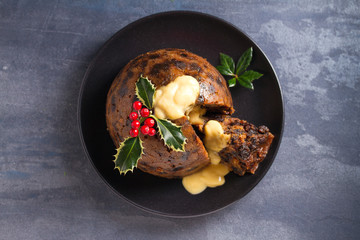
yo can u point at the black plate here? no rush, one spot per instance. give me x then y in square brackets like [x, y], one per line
[206, 36]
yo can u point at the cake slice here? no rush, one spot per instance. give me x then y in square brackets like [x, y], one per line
[247, 147]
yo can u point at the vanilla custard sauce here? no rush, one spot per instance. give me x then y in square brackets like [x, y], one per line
[212, 175]
[173, 100]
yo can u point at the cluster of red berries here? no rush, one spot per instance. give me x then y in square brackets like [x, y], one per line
[147, 128]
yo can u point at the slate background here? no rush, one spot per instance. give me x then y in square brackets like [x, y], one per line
[49, 190]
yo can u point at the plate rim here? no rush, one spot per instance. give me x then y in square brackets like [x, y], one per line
[91, 66]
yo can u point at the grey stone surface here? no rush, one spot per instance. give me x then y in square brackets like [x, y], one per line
[48, 189]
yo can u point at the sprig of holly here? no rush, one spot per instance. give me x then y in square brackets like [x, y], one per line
[238, 73]
[131, 149]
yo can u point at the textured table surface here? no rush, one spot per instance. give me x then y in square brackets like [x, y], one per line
[49, 190]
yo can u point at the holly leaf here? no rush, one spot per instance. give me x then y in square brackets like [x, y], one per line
[145, 91]
[171, 134]
[128, 154]
[244, 61]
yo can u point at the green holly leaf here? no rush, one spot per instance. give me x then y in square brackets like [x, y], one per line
[244, 61]
[145, 91]
[128, 154]
[171, 134]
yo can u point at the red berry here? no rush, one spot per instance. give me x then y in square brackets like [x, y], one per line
[134, 132]
[137, 105]
[135, 124]
[144, 112]
[149, 122]
[144, 129]
[152, 132]
[133, 116]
